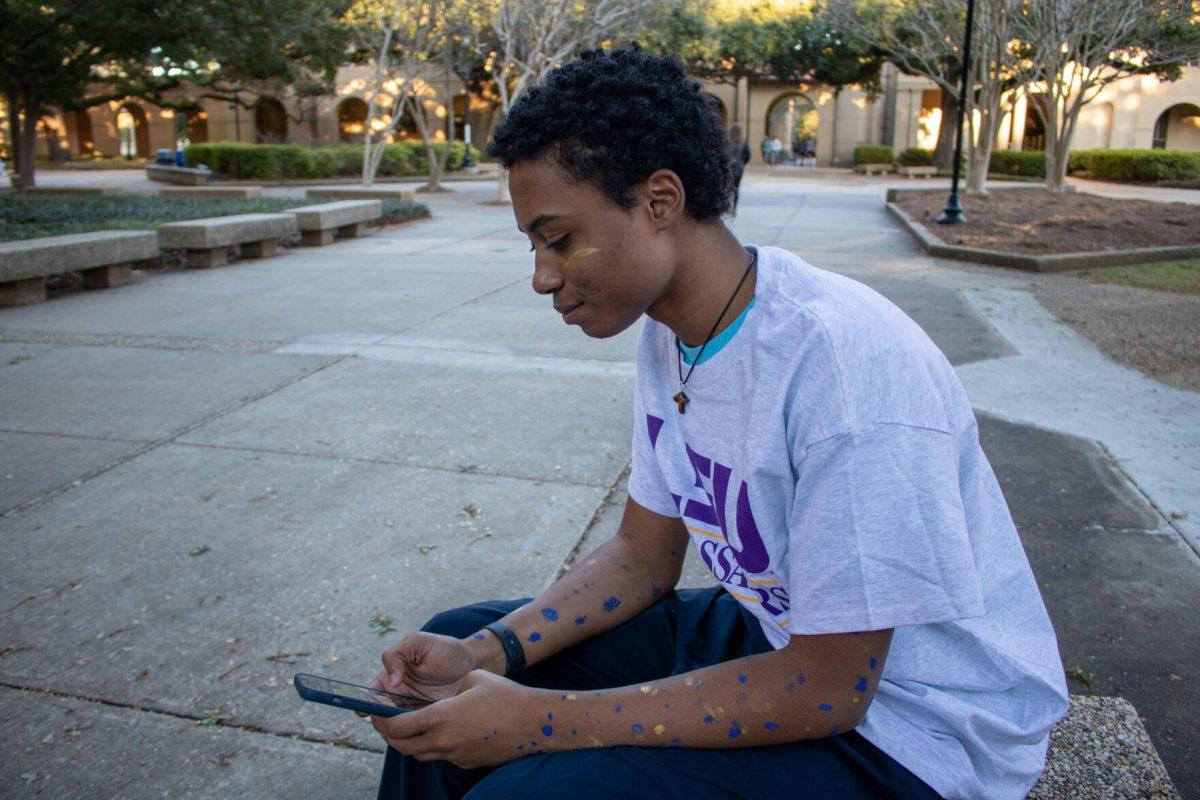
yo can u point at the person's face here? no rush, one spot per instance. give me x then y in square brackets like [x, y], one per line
[603, 265]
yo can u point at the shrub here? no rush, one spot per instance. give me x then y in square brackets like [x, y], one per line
[872, 154]
[1027, 163]
[915, 157]
[1145, 165]
[240, 160]
[1080, 160]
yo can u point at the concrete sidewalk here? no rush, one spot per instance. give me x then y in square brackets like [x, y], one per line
[215, 479]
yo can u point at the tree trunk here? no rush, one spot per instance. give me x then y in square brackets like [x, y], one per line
[1056, 150]
[434, 181]
[502, 186]
[1056, 164]
[28, 144]
[943, 153]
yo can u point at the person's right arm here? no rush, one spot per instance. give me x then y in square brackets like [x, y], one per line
[615, 582]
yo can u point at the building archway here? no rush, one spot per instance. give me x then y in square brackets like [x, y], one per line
[270, 121]
[1178, 128]
[352, 119]
[1034, 136]
[793, 119]
[80, 122]
[197, 125]
[133, 131]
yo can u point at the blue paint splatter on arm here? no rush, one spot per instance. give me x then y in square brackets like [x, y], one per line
[771, 726]
[861, 686]
[873, 662]
[546, 729]
[637, 728]
[580, 620]
[535, 636]
[550, 614]
[708, 720]
[741, 678]
[825, 707]
[735, 731]
[611, 603]
[477, 635]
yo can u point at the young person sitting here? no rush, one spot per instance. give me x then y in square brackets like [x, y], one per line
[877, 631]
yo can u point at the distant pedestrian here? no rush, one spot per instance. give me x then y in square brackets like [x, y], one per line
[765, 149]
[739, 156]
[776, 150]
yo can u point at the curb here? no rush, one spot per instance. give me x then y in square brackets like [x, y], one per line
[1049, 263]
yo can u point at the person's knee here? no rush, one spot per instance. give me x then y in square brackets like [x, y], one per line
[457, 622]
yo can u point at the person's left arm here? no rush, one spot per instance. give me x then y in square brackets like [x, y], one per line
[816, 686]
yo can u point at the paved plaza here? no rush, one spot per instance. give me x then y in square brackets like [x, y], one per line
[213, 479]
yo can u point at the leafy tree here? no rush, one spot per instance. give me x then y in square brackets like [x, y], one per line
[1075, 48]
[53, 55]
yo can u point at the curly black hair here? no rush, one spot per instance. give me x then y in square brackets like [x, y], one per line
[611, 119]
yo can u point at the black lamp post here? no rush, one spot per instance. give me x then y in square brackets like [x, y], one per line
[952, 213]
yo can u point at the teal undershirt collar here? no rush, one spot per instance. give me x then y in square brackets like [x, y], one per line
[718, 341]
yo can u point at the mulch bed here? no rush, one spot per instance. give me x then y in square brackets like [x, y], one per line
[1039, 222]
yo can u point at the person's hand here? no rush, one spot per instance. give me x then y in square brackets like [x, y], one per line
[426, 665]
[483, 726]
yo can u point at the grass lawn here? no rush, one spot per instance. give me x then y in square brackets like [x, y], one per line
[1168, 276]
[28, 217]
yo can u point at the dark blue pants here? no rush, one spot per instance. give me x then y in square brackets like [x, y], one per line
[686, 630]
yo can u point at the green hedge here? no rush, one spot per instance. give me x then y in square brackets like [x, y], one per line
[873, 154]
[1027, 163]
[1144, 166]
[915, 157]
[243, 161]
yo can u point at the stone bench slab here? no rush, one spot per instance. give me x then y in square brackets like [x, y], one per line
[188, 176]
[104, 258]
[344, 218]
[212, 191]
[208, 240]
[361, 193]
[867, 169]
[88, 191]
[1101, 749]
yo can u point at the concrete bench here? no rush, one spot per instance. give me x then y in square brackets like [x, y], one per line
[1101, 749]
[87, 191]
[869, 169]
[245, 192]
[104, 258]
[207, 241]
[361, 193]
[169, 173]
[917, 171]
[346, 218]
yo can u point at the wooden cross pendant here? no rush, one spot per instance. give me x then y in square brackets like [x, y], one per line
[682, 399]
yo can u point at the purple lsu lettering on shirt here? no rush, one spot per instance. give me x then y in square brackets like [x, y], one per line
[728, 563]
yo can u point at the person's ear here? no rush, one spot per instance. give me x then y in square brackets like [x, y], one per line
[665, 197]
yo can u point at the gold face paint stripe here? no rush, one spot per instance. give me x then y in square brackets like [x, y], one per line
[581, 252]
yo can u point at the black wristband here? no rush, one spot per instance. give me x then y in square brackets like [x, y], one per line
[514, 653]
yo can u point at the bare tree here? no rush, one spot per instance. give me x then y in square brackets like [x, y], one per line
[532, 37]
[1076, 48]
[925, 37]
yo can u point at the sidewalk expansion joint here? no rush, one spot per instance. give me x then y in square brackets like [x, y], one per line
[472, 470]
[1175, 531]
[137, 341]
[185, 715]
[605, 502]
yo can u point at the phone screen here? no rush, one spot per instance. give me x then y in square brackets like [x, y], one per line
[363, 693]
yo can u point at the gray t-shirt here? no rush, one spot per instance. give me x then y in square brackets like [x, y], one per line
[829, 471]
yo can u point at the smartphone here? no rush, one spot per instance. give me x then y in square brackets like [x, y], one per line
[354, 697]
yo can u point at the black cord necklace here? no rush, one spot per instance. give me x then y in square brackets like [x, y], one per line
[682, 398]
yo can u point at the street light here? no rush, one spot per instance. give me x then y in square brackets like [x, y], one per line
[952, 213]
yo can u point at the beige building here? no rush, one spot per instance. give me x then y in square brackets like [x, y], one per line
[1134, 113]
